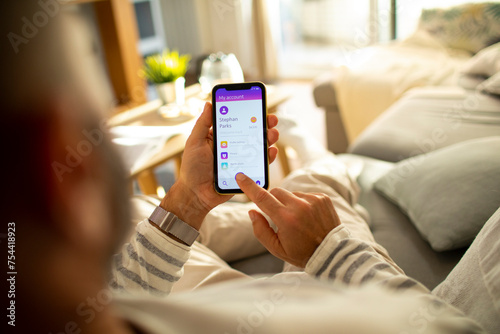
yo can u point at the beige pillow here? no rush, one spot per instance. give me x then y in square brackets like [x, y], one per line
[491, 85]
[486, 63]
[470, 27]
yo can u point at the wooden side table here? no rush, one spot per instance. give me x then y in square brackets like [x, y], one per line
[147, 115]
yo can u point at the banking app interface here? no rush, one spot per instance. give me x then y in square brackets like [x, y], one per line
[240, 146]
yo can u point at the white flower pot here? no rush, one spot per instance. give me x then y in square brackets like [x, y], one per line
[172, 92]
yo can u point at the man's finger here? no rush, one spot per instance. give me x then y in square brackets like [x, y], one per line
[265, 234]
[272, 121]
[264, 200]
[302, 194]
[283, 195]
[273, 152]
[272, 136]
[309, 196]
[202, 127]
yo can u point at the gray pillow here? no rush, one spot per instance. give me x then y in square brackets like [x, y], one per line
[449, 193]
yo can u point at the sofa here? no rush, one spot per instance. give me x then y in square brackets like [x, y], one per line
[371, 79]
[439, 128]
[424, 121]
[435, 89]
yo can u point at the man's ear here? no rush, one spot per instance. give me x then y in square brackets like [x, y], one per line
[80, 211]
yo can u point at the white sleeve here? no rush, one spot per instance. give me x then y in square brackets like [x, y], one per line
[341, 258]
[150, 261]
[354, 262]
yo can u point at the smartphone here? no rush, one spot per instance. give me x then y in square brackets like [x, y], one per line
[240, 135]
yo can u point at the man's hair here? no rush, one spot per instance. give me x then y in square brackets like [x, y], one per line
[36, 69]
[41, 90]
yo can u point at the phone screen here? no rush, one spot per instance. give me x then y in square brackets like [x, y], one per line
[240, 135]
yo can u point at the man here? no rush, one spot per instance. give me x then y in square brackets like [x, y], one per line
[70, 216]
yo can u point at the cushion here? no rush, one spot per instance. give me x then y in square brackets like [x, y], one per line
[393, 230]
[474, 284]
[469, 27]
[491, 85]
[426, 119]
[485, 63]
[449, 193]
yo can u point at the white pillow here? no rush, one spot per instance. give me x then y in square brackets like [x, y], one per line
[491, 85]
[485, 63]
[473, 286]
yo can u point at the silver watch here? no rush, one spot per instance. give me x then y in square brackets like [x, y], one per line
[173, 225]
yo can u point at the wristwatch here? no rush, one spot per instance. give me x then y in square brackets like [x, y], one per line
[171, 224]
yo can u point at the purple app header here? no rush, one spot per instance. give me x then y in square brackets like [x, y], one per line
[224, 95]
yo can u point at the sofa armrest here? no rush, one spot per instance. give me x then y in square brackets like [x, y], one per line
[326, 98]
[324, 92]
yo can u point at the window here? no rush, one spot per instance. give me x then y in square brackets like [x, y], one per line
[314, 33]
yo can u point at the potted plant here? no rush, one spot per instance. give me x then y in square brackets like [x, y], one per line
[166, 71]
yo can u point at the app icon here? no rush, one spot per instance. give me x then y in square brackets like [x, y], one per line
[253, 119]
[224, 165]
[223, 110]
[223, 155]
[223, 144]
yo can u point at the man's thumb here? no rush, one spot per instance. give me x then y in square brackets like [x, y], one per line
[265, 234]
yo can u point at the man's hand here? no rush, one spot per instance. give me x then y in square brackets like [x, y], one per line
[193, 195]
[303, 220]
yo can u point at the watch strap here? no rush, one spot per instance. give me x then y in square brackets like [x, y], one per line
[171, 224]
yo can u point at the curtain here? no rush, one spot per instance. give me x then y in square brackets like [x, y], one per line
[265, 43]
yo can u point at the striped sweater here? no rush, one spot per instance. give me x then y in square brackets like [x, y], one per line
[152, 262]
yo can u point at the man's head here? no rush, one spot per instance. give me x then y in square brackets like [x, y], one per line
[65, 188]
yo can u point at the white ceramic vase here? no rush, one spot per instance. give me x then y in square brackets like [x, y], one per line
[172, 92]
